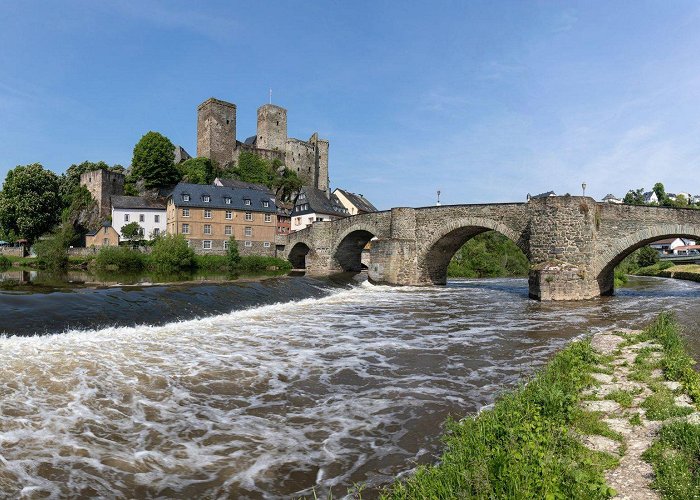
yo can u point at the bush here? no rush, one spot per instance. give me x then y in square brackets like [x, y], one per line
[211, 262]
[52, 251]
[5, 263]
[119, 259]
[234, 258]
[171, 254]
[259, 263]
[647, 256]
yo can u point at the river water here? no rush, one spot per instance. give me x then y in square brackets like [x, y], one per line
[269, 389]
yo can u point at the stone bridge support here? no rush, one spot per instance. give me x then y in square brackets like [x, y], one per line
[394, 260]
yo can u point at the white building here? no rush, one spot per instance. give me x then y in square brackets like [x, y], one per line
[147, 213]
[355, 203]
[669, 245]
[313, 205]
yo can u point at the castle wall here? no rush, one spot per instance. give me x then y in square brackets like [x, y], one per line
[216, 131]
[102, 184]
[272, 127]
[300, 156]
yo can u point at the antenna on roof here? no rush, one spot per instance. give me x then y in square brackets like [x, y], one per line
[270, 96]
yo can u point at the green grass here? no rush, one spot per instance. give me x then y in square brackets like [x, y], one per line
[524, 447]
[675, 457]
[661, 405]
[623, 397]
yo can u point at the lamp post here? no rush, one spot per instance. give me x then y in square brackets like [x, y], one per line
[583, 186]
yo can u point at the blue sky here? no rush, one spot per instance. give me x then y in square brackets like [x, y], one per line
[486, 101]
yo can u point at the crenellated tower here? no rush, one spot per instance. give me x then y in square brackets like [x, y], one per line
[216, 131]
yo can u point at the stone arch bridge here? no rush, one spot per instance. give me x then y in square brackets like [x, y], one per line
[573, 243]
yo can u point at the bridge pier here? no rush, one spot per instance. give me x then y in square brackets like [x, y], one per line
[394, 260]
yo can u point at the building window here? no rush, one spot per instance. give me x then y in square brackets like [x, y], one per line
[207, 228]
[205, 199]
[156, 231]
[227, 230]
[249, 231]
[185, 229]
[229, 214]
[126, 217]
[248, 216]
[142, 217]
[206, 244]
[266, 244]
[225, 244]
[185, 212]
[266, 204]
[248, 243]
[207, 213]
[268, 218]
[227, 200]
[246, 202]
[156, 218]
[185, 197]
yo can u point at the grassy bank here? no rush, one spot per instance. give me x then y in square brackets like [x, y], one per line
[525, 447]
[529, 444]
[689, 272]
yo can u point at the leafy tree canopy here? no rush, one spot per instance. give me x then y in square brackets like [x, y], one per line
[253, 168]
[634, 197]
[29, 202]
[660, 192]
[153, 161]
[197, 170]
[131, 231]
[647, 256]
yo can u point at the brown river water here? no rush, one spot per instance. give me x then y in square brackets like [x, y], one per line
[274, 389]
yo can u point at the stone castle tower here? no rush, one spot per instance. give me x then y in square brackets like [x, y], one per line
[216, 139]
[102, 184]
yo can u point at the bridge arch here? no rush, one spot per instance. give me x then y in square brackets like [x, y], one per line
[347, 253]
[437, 251]
[297, 255]
[606, 261]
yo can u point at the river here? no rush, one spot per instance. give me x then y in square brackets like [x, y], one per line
[269, 389]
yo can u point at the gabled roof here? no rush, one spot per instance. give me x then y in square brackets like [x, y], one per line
[610, 197]
[181, 155]
[136, 203]
[218, 196]
[312, 200]
[361, 203]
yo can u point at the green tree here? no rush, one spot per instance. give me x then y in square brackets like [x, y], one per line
[488, 255]
[197, 170]
[660, 193]
[232, 255]
[29, 202]
[251, 168]
[153, 161]
[647, 256]
[287, 185]
[52, 250]
[132, 231]
[634, 197]
[171, 254]
[681, 201]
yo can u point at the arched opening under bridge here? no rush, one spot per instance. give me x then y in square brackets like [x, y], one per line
[297, 255]
[348, 254]
[473, 252]
[609, 260]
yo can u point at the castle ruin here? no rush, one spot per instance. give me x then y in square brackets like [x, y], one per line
[216, 140]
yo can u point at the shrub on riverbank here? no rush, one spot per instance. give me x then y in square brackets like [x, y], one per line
[211, 262]
[123, 259]
[257, 263]
[523, 447]
[488, 255]
[5, 263]
[52, 251]
[171, 254]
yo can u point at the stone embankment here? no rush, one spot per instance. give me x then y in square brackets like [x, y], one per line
[635, 400]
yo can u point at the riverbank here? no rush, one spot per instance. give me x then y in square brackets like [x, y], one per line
[581, 428]
[689, 272]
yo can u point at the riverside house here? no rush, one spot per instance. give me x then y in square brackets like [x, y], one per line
[148, 213]
[207, 216]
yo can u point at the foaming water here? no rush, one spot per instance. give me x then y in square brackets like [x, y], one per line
[345, 386]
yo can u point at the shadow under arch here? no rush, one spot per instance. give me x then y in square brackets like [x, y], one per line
[609, 260]
[348, 252]
[297, 255]
[437, 252]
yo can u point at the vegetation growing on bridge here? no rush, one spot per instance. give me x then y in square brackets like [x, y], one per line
[488, 255]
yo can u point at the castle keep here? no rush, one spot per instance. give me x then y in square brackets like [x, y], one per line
[216, 139]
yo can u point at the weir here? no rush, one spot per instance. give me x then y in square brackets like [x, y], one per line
[573, 243]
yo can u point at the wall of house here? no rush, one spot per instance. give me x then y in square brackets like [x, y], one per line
[149, 224]
[262, 231]
[106, 236]
[303, 221]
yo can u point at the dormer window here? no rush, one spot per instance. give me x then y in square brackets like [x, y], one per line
[227, 200]
[266, 204]
[206, 198]
[246, 202]
[185, 197]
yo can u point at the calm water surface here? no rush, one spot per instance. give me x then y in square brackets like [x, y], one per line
[269, 389]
